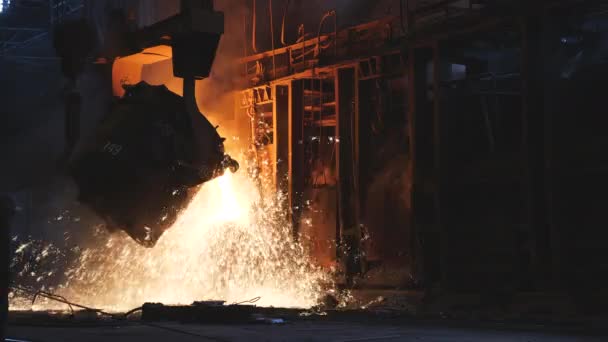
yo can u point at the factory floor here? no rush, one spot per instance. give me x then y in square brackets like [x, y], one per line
[304, 330]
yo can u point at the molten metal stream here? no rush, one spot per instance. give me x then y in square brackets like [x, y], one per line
[223, 247]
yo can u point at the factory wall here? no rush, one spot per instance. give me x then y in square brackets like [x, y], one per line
[507, 192]
[499, 175]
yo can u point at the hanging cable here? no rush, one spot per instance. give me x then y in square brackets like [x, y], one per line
[283, 23]
[253, 30]
[328, 14]
[401, 15]
[245, 53]
[335, 35]
[53, 297]
[274, 67]
[405, 18]
[301, 33]
[57, 298]
[72, 305]
[249, 301]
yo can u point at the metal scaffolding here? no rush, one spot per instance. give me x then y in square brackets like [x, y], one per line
[30, 22]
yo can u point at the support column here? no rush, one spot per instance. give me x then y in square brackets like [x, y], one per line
[7, 210]
[296, 154]
[534, 127]
[365, 148]
[551, 30]
[425, 133]
[347, 108]
[438, 167]
[281, 139]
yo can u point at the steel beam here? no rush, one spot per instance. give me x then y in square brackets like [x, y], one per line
[346, 126]
[423, 120]
[439, 169]
[533, 144]
[281, 138]
[296, 154]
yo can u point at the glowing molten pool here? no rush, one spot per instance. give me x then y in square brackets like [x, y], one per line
[225, 246]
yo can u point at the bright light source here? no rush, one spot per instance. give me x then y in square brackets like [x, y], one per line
[226, 244]
[3, 4]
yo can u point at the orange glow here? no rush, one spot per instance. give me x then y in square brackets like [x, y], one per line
[223, 246]
[153, 66]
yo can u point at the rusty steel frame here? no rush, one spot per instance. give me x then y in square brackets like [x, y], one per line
[430, 41]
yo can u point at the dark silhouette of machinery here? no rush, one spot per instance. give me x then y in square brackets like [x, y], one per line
[154, 145]
[147, 153]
